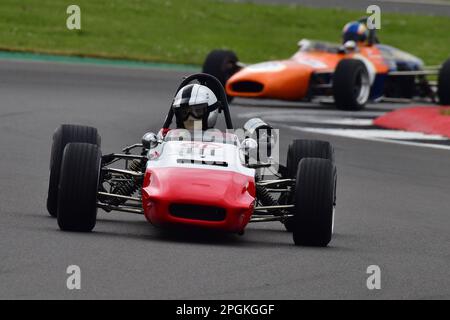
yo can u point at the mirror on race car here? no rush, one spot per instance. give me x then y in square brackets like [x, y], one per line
[249, 149]
[249, 145]
[251, 152]
[350, 46]
[304, 43]
[263, 133]
[254, 124]
[149, 140]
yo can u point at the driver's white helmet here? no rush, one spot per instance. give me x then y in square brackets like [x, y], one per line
[195, 102]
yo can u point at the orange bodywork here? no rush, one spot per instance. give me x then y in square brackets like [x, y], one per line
[289, 79]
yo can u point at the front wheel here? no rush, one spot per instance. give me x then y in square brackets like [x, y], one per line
[314, 202]
[65, 134]
[351, 85]
[298, 150]
[78, 186]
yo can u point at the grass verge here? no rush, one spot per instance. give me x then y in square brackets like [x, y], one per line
[182, 31]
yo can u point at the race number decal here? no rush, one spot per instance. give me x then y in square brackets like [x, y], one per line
[193, 149]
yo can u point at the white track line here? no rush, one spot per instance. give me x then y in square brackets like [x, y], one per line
[377, 134]
[298, 114]
[372, 138]
[317, 119]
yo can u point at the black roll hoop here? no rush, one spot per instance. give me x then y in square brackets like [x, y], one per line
[212, 83]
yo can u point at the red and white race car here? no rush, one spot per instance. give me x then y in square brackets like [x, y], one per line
[215, 181]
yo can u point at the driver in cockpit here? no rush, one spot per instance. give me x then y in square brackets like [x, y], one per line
[195, 107]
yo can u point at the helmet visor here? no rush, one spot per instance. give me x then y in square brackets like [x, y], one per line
[196, 111]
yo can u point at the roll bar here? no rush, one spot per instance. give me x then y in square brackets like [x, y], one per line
[212, 83]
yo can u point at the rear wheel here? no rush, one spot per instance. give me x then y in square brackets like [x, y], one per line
[78, 186]
[351, 85]
[444, 84]
[221, 64]
[314, 202]
[65, 134]
[300, 149]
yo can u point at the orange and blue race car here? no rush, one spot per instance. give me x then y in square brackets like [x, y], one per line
[349, 74]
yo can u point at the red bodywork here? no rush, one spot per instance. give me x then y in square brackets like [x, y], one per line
[231, 192]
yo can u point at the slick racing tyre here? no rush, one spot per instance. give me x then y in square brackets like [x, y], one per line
[314, 203]
[221, 64]
[351, 85]
[300, 149]
[65, 134]
[78, 186]
[444, 84]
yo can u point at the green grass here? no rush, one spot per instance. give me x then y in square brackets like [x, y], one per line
[185, 31]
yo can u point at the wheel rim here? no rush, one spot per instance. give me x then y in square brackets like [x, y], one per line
[362, 88]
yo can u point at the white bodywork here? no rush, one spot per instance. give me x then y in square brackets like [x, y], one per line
[199, 155]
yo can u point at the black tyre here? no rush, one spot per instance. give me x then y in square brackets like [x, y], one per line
[222, 64]
[351, 85]
[78, 186]
[63, 135]
[300, 149]
[444, 84]
[314, 203]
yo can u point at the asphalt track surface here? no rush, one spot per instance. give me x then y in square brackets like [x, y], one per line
[440, 8]
[392, 211]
